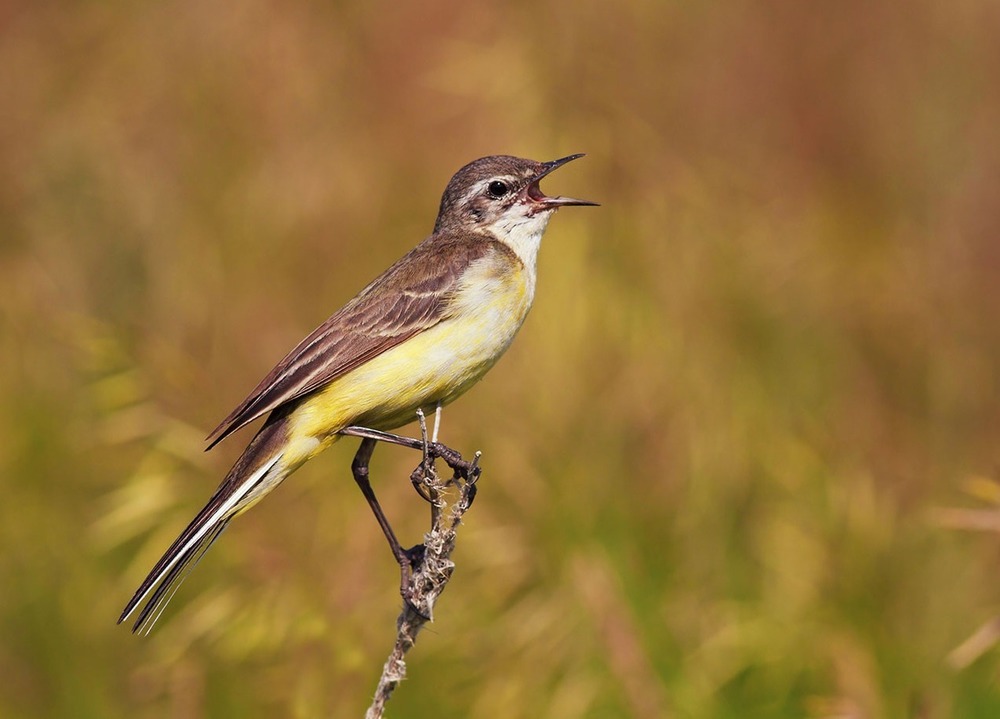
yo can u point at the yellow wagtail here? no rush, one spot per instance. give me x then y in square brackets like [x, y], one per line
[417, 337]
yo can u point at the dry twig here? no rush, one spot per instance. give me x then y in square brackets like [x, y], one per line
[431, 572]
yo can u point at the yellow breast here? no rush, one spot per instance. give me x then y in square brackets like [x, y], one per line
[437, 365]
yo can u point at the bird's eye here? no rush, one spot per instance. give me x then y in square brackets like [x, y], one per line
[497, 189]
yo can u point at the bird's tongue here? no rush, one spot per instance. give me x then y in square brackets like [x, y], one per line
[535, 192]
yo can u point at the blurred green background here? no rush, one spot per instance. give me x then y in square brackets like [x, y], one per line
[741, 461]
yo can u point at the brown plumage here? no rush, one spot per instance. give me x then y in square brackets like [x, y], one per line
[418, 336]
[409, 297]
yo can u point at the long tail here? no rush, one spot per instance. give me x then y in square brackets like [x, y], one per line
[258, 470]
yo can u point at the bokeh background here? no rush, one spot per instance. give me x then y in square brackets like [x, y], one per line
[741, 461]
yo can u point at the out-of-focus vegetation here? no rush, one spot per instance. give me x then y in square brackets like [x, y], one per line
[741, 461]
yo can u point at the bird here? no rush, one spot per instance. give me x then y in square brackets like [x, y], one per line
[415, 338]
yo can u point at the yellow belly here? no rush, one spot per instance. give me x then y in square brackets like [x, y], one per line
[437, 365]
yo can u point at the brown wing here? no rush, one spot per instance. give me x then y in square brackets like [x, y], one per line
[406, 299]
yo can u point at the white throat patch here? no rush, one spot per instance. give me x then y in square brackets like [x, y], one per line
[522, 233]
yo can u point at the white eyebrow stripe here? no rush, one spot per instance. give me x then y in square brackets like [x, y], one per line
[483, 184]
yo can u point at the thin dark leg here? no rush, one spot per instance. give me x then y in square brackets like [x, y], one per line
[359, 467]
[379, 435]
[464, 470]
[406, 558]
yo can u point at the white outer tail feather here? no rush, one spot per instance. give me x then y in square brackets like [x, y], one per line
[196, 546]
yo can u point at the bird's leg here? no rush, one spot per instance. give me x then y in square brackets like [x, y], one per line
[379, 435]
[423, 476]
[437, 423]
[463, 470]
[406, 558]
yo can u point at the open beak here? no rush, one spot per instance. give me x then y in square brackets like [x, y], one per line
[544, 202]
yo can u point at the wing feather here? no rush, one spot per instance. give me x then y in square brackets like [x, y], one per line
[408, 298]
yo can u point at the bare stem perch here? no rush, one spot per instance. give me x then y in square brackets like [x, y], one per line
[433, 570]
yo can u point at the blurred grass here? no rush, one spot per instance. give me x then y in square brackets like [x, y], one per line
[720, 459]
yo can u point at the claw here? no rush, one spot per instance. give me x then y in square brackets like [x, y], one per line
[410, 561]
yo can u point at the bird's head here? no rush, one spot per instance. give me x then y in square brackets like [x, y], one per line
[500, 194]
